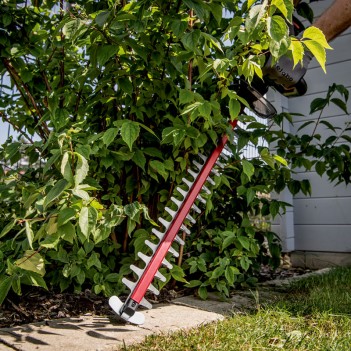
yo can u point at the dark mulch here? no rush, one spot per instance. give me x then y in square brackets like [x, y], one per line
[38, 305]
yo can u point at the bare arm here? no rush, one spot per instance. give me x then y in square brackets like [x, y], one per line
[335, 19]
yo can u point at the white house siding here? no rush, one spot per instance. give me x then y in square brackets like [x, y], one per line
[322, 222]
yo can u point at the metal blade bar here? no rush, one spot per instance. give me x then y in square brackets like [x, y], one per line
[164, 246]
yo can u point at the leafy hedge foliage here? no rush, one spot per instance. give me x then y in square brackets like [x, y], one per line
[112, 100]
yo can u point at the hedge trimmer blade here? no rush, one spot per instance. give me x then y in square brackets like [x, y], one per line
[198, 176]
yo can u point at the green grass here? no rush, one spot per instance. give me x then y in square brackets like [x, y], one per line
[329, 292]
[314, 314]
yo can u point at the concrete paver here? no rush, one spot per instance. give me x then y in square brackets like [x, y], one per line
[90, 333]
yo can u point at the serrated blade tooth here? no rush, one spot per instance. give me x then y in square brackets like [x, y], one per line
[203, 157]
[215, 172]
[170, 211]
[219, 164]
[145, 303]
[192, 173]
[197, 164]
[224, 156]
[151, 245]
[179, 240]
[153, 289]
[211, 181]
[158, 233]
[191, 219]
[201, 199]
[195, 208]
[188, 182]
[165, 223]
[138, 271]
[167, 264]
[130, 285]
[160, 276]
[206, 189]
[227, 148]
[173, 252]
[185, 229]
[144, 257]
[176, 201]
[183, 192]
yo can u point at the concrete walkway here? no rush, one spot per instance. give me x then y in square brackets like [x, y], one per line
[90, 333]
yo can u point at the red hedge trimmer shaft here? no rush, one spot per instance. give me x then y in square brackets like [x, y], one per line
[127, 310]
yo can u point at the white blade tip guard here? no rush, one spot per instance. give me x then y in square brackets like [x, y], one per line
[116, 304]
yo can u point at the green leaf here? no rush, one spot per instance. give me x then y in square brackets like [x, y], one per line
[101, 18]
[230, 274]
[35, 279]
[341, 104]
[81, 194]
[159, 168]
[193, 283]
[7, 228]
[320, 168]
[213, 41]
[105, 52]
[217, 273]
[190, 40]
[29, 233]
[93, 260]
[284, 6]
[229, 240]
[5, 286]
[139, 159]
[71, 27]
[296, 48]
[126, 85]
[87, 220]
[51, 241]
[250, 195]
[55, 192]
[281, 160]
[66, 169]
[82, 169]
[245, 242]
[277, 27]
[67, 232]
[274, 208]
[112, 277]
[178, 27]
[130, 131]
[109, 136]
[267, 157]
[248, 168]
[316, 35]
[186, 96]
[234, 109]
[305, 125]
[318, 104]
[32, 261]
[317, 51]
[202, 291]
[65, 215]
[178, 274]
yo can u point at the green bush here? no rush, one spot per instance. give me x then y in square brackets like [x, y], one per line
[112, 100]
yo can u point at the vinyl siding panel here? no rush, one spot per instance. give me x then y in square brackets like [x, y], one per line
[322, 222]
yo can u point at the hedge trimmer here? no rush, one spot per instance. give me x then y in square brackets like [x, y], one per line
[184, 202]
